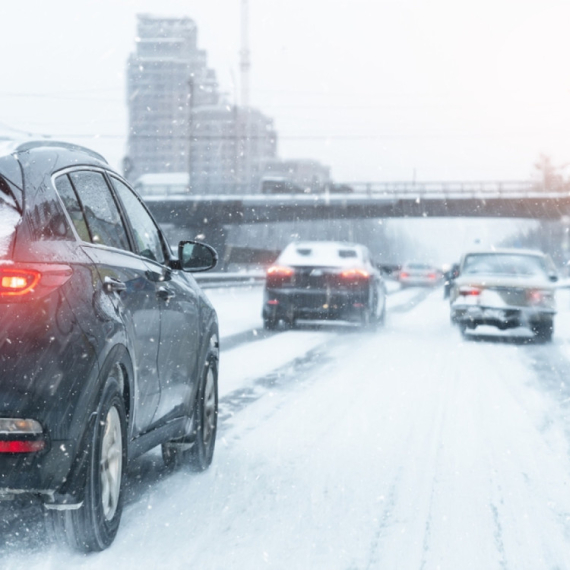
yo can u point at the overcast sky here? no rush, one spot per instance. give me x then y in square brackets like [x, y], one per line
[375, 88]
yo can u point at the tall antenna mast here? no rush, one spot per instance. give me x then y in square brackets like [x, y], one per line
[244, 54]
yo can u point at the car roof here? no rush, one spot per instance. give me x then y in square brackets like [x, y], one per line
[324, 253]
[506, 251]
[8, 147]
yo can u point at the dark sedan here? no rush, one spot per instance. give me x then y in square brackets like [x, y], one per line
[108, 347]
[323, 280]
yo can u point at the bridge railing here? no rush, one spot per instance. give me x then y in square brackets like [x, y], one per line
[508, 187]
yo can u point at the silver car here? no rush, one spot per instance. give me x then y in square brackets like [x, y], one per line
[506, 289]
[417, 274]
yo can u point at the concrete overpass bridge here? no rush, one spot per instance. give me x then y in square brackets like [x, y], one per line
[210, 215]
[368, 200]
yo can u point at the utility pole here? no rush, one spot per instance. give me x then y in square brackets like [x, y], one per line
[245, 65]
[190, 129]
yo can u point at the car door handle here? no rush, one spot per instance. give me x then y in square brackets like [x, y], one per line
[111, 285]
[165, 293]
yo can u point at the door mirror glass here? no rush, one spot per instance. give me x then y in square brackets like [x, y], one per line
[195, 256]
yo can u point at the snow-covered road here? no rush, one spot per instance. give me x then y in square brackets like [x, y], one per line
[406, 448]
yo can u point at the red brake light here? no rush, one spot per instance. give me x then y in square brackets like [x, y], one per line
[536, 297]
[432, 276]
[355, 274]
[19, 446]
[279, 275]
[469, 291]
[280, 270]
[19, 282]
[404, 275]
[14, 282]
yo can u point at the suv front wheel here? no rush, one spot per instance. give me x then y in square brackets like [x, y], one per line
[196, 448]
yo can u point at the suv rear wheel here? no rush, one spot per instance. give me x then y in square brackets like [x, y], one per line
[94, 525]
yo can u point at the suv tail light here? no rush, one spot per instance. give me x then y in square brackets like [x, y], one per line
[278, 275]
[21, 282]
[21, 436]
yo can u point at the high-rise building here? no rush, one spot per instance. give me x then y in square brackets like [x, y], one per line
[166, 75]
[229, 146]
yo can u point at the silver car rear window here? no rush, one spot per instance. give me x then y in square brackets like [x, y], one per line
[504, 264]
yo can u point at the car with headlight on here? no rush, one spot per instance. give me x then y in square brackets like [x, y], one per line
[507, 289]
[108, 347]
[321, 280]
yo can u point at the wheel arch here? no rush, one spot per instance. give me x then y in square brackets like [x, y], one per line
[73, 488]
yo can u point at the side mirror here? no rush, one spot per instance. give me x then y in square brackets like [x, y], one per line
[553, 277]
[195, 256]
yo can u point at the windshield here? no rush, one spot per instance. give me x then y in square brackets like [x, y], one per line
[505, 265]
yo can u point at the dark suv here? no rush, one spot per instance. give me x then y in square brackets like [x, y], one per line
[108, 347]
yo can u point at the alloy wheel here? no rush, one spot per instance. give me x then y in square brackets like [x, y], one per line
[209, 418]
[111, 463]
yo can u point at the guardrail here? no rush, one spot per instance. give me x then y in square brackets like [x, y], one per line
[219, 279]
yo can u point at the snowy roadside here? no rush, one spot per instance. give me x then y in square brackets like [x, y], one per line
[238, 308]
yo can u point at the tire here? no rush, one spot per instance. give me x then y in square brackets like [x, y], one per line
[291, 323]
[93, 526]
[381, 319]
[270, 324]
[543, 331]
[462, 329]
[366, 319]
[196, 449]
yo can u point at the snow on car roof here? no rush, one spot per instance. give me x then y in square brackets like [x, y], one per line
[324, 253]
[505, 251]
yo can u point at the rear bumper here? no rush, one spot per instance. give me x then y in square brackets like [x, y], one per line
[501, 317]
[419, 282]
[43, 472]
[314, 304]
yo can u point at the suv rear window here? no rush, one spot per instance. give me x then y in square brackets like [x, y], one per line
[10, 217]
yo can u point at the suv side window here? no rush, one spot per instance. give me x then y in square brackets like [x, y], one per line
[71, 203]
[147, 236]
[101, 212]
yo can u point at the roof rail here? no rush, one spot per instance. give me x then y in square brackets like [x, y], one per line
[29, 145]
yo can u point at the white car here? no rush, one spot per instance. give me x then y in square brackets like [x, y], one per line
[507, 289]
